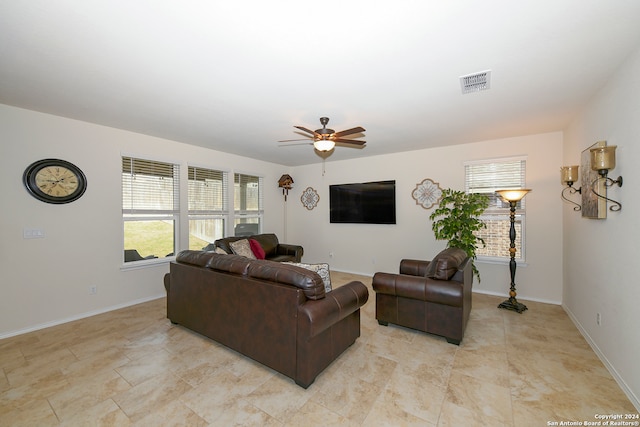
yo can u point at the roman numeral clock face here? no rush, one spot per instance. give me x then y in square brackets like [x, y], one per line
[54, 181]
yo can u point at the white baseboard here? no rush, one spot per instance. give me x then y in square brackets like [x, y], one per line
[520, 297]
[78, 317]
[623, 385]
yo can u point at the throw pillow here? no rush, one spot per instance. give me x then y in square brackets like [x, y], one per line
[220, 251]
[256, 248]
[243, 248]
[445, 264]
[322, 269]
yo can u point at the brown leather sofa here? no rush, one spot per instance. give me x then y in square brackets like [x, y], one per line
[274, 250]
[430, 296]
[277, 314]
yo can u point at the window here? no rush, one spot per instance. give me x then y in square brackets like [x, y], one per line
[487, 177]
[208, 206]
[248, 209]
[150, 208]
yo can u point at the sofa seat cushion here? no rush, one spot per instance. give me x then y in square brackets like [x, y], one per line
[280, 258]
[445, 264]
[310, 282]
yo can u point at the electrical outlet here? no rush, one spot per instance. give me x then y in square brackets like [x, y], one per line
[32, 233]
[93, 290]
[598, 319]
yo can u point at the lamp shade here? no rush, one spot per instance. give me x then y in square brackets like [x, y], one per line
[603, 158]
[324, 145]
[568, 174]
[514, 195]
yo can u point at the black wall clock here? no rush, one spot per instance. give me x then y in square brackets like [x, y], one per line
[54, 181]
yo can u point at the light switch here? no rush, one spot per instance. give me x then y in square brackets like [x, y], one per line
[33, 233]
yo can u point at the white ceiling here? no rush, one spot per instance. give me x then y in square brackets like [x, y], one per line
[236, 76]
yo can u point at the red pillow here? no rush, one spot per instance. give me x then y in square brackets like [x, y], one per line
[256, 249]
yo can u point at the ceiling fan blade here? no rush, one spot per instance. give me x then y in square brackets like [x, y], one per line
[307, 130]
[290, 143]
[291, 140]
[349, 141]
[349, 131]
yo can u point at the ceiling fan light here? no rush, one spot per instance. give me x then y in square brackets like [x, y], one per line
[324, 145]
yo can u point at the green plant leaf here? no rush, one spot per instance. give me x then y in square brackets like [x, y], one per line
[456, 219]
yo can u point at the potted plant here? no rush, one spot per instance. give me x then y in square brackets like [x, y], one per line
[456, 220]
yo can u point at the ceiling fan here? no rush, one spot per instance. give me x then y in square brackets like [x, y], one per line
[325, 139]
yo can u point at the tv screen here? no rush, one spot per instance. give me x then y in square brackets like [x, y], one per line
[363, 203]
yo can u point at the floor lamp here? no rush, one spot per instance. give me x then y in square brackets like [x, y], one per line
[512, 197]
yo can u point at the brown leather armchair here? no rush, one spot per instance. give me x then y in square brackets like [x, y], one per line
[430, 296]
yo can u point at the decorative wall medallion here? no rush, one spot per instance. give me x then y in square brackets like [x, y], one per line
[310, 198]
[427, 193]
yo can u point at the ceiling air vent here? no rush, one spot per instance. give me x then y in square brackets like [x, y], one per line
[475, 82]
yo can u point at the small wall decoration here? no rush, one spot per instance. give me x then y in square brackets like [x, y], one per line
[54, 181]
[310, 198]
[285, 182]
[427, 193]
[592, 206]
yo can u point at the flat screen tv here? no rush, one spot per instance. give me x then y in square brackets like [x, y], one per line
[363, 203]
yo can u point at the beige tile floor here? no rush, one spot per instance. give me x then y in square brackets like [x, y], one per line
[132, 367]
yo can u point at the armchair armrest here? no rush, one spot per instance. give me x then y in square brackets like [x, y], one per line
[288, 249]
[414, 267]
[317, 315]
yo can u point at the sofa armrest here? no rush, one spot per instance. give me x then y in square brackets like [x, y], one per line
[414, 267]
[316, 316]
[292, 250]
[447, 292]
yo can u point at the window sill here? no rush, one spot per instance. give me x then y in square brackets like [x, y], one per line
[155, 262]
[501, 261]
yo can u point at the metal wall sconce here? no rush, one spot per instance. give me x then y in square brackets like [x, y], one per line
[603, 159]
[285, 182]
[569, 175]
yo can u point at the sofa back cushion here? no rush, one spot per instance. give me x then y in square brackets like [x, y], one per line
[198, 258]
[235, 264]
[269, 243]
[321, 268]
[309, 281]
[445, 264]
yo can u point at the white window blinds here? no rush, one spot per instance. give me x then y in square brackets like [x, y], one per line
[207, 191]
[149, 187]
[487, 177]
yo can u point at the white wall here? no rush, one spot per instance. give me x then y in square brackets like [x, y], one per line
[45, 281]
[366, 249]
[600, 271]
